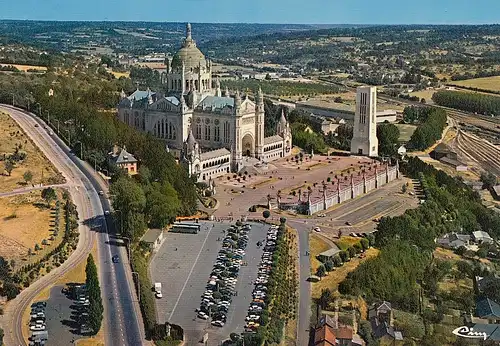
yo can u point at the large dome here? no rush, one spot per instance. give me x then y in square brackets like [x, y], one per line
[189, 54]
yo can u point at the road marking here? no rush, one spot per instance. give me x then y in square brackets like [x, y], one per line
[189, 275]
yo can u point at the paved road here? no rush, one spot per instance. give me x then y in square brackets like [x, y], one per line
[29, 189]
[122, 320]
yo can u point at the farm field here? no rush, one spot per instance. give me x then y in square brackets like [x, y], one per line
[487, 83]
[25, 68]
[42, 170]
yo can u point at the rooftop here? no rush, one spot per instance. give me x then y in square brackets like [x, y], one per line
[487, 308]
[330, 253]
[122, 156]
[151, 235]
[272, 139]
[214, 154]
[213, 103]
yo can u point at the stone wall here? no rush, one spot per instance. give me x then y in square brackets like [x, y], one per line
[347, 193]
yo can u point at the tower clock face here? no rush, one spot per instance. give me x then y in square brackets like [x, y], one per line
[207, 121]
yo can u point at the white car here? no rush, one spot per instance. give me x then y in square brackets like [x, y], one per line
[202, 315]
[106, 212]
[37, 327]
[317, 229]
[217, 323]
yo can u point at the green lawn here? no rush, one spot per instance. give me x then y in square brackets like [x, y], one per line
[405, 131]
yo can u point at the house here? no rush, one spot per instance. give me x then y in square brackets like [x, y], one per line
[324, 336]
[495, 191]
[344, 335]
[381, 318]
[454, 240]
[481, 282]
[402, 150]
[481, 237]
[123, 159]
[488, 309]
[328, 255]
[153, 238]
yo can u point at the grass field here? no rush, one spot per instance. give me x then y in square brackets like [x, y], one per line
[405, 132]
[487, 83]
[35, 161]
[25, 222]
[345, 242]
[425, 94]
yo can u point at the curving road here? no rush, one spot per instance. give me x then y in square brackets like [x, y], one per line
[122, 320]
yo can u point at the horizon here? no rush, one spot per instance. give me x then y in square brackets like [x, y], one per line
[315, 12]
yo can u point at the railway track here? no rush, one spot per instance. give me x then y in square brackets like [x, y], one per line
[485, 154]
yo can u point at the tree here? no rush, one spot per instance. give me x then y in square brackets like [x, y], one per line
[388, 136]
[325, 298]
[37, 247]
[352, 251]
[321, 271]
[364, 243]
[96, 308]
[27, 176]
[162, 205]
[404, 188]
[488, 179]
[344, 256]
[10, 289]
[49, 194]
[266, 214]
[9, 166]
[329, 265]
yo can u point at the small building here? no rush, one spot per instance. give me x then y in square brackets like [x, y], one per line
[153, 238]
[454, 240]
[481, 237]
[388, 115]
[488, 309]
[442, 150]
[459, 166]
[402, 150]
[381, 319]
[328, 255]
[123, 159]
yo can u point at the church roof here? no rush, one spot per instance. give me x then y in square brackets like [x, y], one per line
[140, 94]
[214, 153]
[273, 139]
[174, 100]
[189, 54]
[216, 102]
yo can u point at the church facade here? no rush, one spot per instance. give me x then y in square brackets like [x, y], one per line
[209, 131]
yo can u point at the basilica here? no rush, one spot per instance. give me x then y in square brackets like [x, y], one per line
[208, 130]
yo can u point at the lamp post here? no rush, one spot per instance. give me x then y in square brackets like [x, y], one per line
[39, 109]
[128, 248]
[57, 126]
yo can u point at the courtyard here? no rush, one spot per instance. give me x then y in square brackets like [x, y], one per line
[183, 265]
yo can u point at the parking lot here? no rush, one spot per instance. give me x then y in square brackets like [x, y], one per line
[184, 264]
[57, 321]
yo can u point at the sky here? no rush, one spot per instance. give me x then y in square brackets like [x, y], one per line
[260, 11]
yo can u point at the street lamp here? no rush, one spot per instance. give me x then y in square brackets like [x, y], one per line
[39, 109]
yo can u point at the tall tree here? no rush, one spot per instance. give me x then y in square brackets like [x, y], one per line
[27, 176]
[96, 308]
[388, 136]
[9, 166]
[162, 204]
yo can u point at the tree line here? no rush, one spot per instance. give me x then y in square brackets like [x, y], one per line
[469, 102]
[432, 122]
